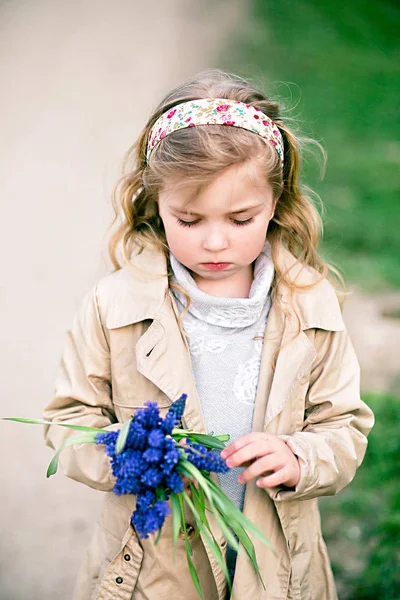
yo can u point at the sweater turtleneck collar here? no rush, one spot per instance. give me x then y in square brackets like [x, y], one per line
[227, 312]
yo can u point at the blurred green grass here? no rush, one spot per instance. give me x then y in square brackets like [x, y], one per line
[342, 63]
[361, 525]
[337, 63]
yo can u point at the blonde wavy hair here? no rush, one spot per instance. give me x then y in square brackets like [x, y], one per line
[196, 155]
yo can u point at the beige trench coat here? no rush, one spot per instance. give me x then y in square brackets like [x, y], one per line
[124, 348]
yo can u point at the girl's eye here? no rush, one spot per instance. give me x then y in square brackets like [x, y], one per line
[186, 223]
[246, 222]
[191, 223]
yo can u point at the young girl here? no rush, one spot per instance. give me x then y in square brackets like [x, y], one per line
[219, 294]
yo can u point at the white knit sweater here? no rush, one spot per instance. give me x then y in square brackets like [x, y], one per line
[225, 341]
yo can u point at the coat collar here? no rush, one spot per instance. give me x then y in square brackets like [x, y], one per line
[137, 292]
[314, 307]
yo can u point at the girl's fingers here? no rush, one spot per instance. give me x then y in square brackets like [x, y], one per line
[260, 467]
[273, 480]
[244, 440]
[249, 452]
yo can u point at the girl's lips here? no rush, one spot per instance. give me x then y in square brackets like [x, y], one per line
[215, 266]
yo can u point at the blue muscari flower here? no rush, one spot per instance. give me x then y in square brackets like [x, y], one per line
[148, 417]
[137, 436]
[107, 438]
[156, 516]
[178, 407]
[174, 414]
[130, 462]
[174, 482]
[152, 455]
[156, 438]
[207, 460]
[138, 521]
[151, 520]
[162, 510]
[169, 423]
[171, 456]
[128, 485]
[152, 477]
[145, 499]
[149, 460]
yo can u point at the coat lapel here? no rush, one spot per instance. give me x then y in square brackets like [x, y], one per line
[286, 357]
[163, 356]
[295, 357]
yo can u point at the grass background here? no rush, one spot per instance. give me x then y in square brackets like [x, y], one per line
[342, 62]
[337, 64]
[362, 524]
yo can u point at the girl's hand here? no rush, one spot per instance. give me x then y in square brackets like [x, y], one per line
[265, 455]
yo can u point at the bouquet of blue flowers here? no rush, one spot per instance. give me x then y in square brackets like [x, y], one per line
[149, 458]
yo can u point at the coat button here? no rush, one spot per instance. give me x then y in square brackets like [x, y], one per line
[189, 532]
[127, 557]
[119, 580]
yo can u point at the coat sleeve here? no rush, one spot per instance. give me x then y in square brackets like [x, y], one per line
[83, 397]
[333, 440]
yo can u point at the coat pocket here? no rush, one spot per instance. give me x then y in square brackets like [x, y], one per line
[125, 407]
[149, 393]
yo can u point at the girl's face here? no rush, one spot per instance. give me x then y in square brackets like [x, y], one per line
[219, 232]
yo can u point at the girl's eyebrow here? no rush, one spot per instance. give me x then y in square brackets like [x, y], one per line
[233, 212]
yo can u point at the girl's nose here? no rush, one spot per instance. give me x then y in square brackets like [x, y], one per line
[216, 240]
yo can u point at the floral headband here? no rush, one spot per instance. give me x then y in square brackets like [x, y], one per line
[215, 111]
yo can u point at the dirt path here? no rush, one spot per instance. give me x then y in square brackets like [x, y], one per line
[374, 325]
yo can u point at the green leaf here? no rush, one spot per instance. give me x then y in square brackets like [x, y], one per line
[230, 538]
[183, 522]
[210, 540]
[176, 518]
[229, 516]
[235, 513]
[228, 511]
[188, 469]
[249, 547]
[158, 536]
[40, 422]
[247, 544]
[122, 437]
[237, 521]
[192, 471]
[224, 437]
[199, 501]
[207, 440]
[210, 441]
[193, 572]
[83, 438]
